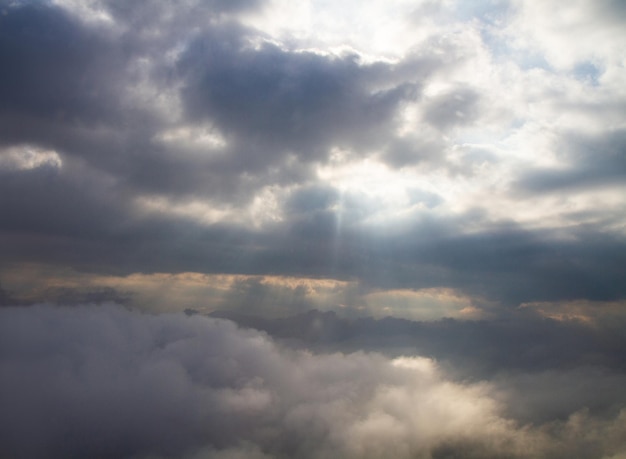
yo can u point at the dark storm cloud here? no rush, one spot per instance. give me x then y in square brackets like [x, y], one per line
[522, 343]
[54, 67]
[504, 263]
[553, 394]
[285, 101]
[312, 198]
[57, 202]
[7, 299]
[74, 87]
[65, 87]
[588, 161]
[54, 218]
[82, 382]
[75, 296]
[519, 266]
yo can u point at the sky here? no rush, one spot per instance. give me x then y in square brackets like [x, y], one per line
[267, 228]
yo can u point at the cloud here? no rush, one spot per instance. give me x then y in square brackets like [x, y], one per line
[287, 102]
[587, 161]
[84, 381]
[454, 151]
[596, 21]
[43, 49]
[264, 158]
[474, 349]
[457, 107]
[6, 299]
[505, 266]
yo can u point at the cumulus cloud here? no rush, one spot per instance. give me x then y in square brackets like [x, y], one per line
[291, 101]
[106, 381]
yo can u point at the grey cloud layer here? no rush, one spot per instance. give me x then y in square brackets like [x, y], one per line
[475, 349]
[285, 101]
[590, 162]
[80, 382]
[102, 96]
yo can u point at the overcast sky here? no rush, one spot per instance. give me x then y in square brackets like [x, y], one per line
[415, 159]
[424, 157]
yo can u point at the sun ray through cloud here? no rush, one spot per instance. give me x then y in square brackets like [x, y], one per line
[270, 229]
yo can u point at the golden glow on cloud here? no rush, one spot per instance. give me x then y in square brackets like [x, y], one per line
[277, 295]
[585, 311]
[423, 304]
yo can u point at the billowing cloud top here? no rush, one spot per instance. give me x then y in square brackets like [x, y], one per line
[84, 382]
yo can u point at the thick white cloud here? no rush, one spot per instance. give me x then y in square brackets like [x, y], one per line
[596, 25]
[83, 382]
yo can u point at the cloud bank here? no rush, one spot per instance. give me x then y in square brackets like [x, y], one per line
[475, 148]
[84, 382]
